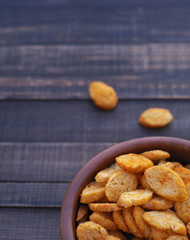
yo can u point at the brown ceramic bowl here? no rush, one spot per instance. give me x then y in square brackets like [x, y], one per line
[178, 148]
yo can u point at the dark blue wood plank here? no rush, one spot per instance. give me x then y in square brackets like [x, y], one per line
[115, 22]
[80, 121]
[32, 194]
[64, 72]
[45, 162]
[94, 3]
[29, 223]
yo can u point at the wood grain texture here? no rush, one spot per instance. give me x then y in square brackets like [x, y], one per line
[58, 22]
[53, 49]
[45, 162]
[80, 121]
[29, 223]
[32, 194]
[64, 72]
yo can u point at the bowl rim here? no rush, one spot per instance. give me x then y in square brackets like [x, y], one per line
[70, 199]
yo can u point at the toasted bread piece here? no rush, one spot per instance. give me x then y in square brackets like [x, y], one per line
[158, 234]
[165, 221]
[106, 173]
[104, 207]
[156, 155]
[177, 237]
[130, 222]
[143, 227]
[158, 203]
[120, 182]
[119, 221]
[184, 173]
[90, 230]
[117, 234]
[168, 165]
[144, 183]
[109, 237]
[134, 163]
[136, 197]
[104, 219]
[183, 208]
[102, 200]
[171, 211]
[103, 95]
[82, 211]
[92, 192]
[166, 183]
[155, 117]
[177, 164]
[188, 228]
[162, 162]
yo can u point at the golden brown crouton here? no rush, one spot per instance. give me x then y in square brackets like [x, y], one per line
[166, 183]
[90, 230]
[103, 95]
[165, 221]
[134, 163]
[155, 117]
[118, 183]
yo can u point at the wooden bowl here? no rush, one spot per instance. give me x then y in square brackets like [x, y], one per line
[178, 148]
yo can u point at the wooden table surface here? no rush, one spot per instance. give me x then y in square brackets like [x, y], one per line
[50, 50]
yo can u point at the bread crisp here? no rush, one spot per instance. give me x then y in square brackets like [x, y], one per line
[155, 117]
[158, 234]
[183, 208]
[166, 183]
[117, 234]
[165, 163]
[109, 237]
[106, 173]
[104, 219]
[136, 197]
[162, 162]
[102, 200]
[158, 203]
[92, 192]
[104, 207]
[156, 155]
[143, 227]
[177, 164]
[134, 163]
[119, 221]
[144, 183]
[103, 95]
[82, 211]
[130, 222]
[184, 173]
[168, 165]
[121, 194]
[120, 182]
[165, 221]
[90, 230]
[177, 237]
